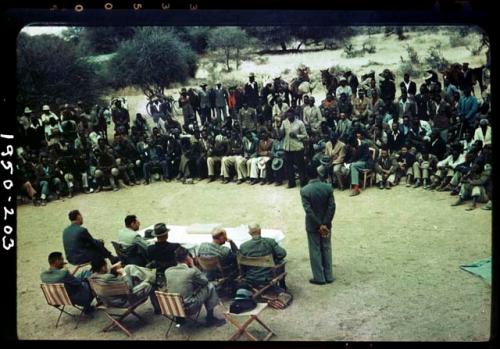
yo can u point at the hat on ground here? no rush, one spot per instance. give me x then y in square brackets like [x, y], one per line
[27, 110]
[325, 160]
[277, 164]
[261, 164]
[243, 293]
[46, 108]
[160, 229]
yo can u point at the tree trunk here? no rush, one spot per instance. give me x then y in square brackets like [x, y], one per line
[237, 58]
[283, 46]
[227, 60]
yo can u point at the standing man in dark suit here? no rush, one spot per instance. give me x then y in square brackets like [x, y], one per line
[319, 205]
[79, 246]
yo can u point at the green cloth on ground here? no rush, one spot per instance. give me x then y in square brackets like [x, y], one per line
[481, 268]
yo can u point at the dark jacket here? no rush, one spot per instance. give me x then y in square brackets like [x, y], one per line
[79, 246]
[78, 290]
[438, 148]
[162, 254]
[319, 205]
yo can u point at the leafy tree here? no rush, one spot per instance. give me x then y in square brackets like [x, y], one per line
[104, 39]
[152, 60]
[272, 36]
[49, 71]
[230, 40]
[196, 37]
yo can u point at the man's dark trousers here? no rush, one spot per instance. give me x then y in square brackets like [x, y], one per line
[295, 158]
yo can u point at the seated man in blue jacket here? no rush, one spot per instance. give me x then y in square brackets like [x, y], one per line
[79, 246]
[77, 286]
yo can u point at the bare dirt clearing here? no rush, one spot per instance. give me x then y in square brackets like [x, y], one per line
[396, 261]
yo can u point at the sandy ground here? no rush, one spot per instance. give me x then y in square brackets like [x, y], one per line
[396, 261]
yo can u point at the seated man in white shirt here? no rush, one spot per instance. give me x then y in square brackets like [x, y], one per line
[446, 168]
[136, 246]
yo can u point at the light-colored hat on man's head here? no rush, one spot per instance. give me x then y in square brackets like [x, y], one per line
[46, 108]
[253, 227]
[216, 231]
[27, 110]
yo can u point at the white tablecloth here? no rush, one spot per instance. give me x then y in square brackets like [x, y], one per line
[192, 240]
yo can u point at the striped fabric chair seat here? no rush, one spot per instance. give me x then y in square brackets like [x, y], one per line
[104, 291]
[57, 296]
[171, 304]
[172, 307]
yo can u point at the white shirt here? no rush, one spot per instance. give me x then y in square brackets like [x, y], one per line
[485, 138]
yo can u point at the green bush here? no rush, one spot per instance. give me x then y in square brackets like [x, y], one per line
[152, 60]
[435, 58]
[412, 55]
[49, 71]
[369, 47]
[351, 52]
[456, 40]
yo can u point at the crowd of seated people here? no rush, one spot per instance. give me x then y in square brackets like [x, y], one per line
[436, 136]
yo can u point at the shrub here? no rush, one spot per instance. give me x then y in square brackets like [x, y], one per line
[152, 60]
[456, 40]
[412, 55]
[369, 47]
[351, 52]
[49, 70]
[435, 58]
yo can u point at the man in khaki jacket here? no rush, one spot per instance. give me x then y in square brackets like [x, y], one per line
[335, 151]
[194, 287]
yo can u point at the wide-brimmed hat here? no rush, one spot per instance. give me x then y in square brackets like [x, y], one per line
[243, 293]
[27, 110]
[325, 160]
[277, 164]
[160, 229]
[261, 164]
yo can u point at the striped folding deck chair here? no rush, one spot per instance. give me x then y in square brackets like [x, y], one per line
[57, 296]
[103, 292]
[172, 307]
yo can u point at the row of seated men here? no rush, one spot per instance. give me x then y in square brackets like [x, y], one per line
[170, 267]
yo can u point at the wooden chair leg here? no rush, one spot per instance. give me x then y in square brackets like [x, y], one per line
[116, 323]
